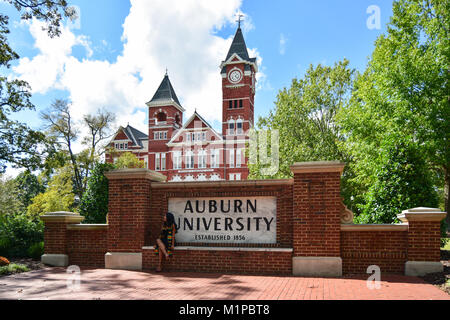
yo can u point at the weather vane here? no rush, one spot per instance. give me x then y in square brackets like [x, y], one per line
[239, 19]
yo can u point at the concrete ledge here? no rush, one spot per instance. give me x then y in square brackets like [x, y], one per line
[421, 268]
[140, 173]
[84, 227]
[318, 166]
[211, 184]
[62, 216]
[422, 214]
[187, 248]
[123, 260]
[55, 260]
[374, 227]
[317, 266]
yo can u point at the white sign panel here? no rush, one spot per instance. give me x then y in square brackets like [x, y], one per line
[225, 220]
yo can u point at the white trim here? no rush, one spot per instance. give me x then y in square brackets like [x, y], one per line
[165, 103]
[187, 248]
[184, 129]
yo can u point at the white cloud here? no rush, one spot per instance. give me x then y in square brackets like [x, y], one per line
[179, 35]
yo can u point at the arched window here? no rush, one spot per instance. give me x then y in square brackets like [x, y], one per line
[239, 126]
[161, 117]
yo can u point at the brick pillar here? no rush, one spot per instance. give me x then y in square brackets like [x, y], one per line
[128, 216]
[424, 237]
[317, 218]
[55, 237]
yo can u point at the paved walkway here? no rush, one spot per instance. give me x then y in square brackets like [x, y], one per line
[51, 283]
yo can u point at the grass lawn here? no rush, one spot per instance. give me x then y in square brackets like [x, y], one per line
[13, 268]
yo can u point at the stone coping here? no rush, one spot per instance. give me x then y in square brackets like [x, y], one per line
[62, 216]
[139, 173]
[87, 226]
[374, 227]
[187, 248]
[210, 184]
[318, 166]
[422, 214]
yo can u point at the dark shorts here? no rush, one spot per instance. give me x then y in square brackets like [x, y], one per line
[166, 242]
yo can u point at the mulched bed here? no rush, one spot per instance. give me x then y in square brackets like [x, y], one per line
[30, 263]
[440, 279]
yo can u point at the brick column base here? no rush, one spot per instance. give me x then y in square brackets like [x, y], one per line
[424, 237]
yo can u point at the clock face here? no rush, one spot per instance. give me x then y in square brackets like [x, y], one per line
[235, 76]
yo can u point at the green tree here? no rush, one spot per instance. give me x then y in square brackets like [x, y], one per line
[20, 145]
[59, 195]
[9, 197]
[63, 131]
[28, 186]
[94, 204]
[304, 115]
[403, 180]
[404, 92]
[128, 160]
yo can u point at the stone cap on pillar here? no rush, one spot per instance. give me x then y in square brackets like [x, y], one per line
[422, 214]
[139, 173]
[62, 216]
[318, 166]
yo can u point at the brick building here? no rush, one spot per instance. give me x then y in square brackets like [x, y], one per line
[194, 151]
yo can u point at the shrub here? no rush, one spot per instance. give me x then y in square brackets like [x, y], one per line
[13, 268]
[3, 261]
[18, 233]
[36, 250]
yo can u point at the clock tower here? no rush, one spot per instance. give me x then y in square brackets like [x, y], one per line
[238, 89]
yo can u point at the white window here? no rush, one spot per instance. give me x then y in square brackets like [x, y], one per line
[163, 161]
[231, 158]
[116, 145]
[121, 146]
[231, 127]
[160, 135]
[157, 161]
[202, 159]
[239, 127]
[125, 145]
[189, 160]
[238, 158]
[177, 160]
[231, 176]
[215, 158]
[237, 176]
[204, 136]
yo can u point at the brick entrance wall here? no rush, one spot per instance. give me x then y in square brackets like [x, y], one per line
[310, 238]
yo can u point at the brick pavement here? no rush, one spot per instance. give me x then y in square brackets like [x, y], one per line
[103, 284]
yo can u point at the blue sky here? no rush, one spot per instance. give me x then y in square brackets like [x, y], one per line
[101, 61]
